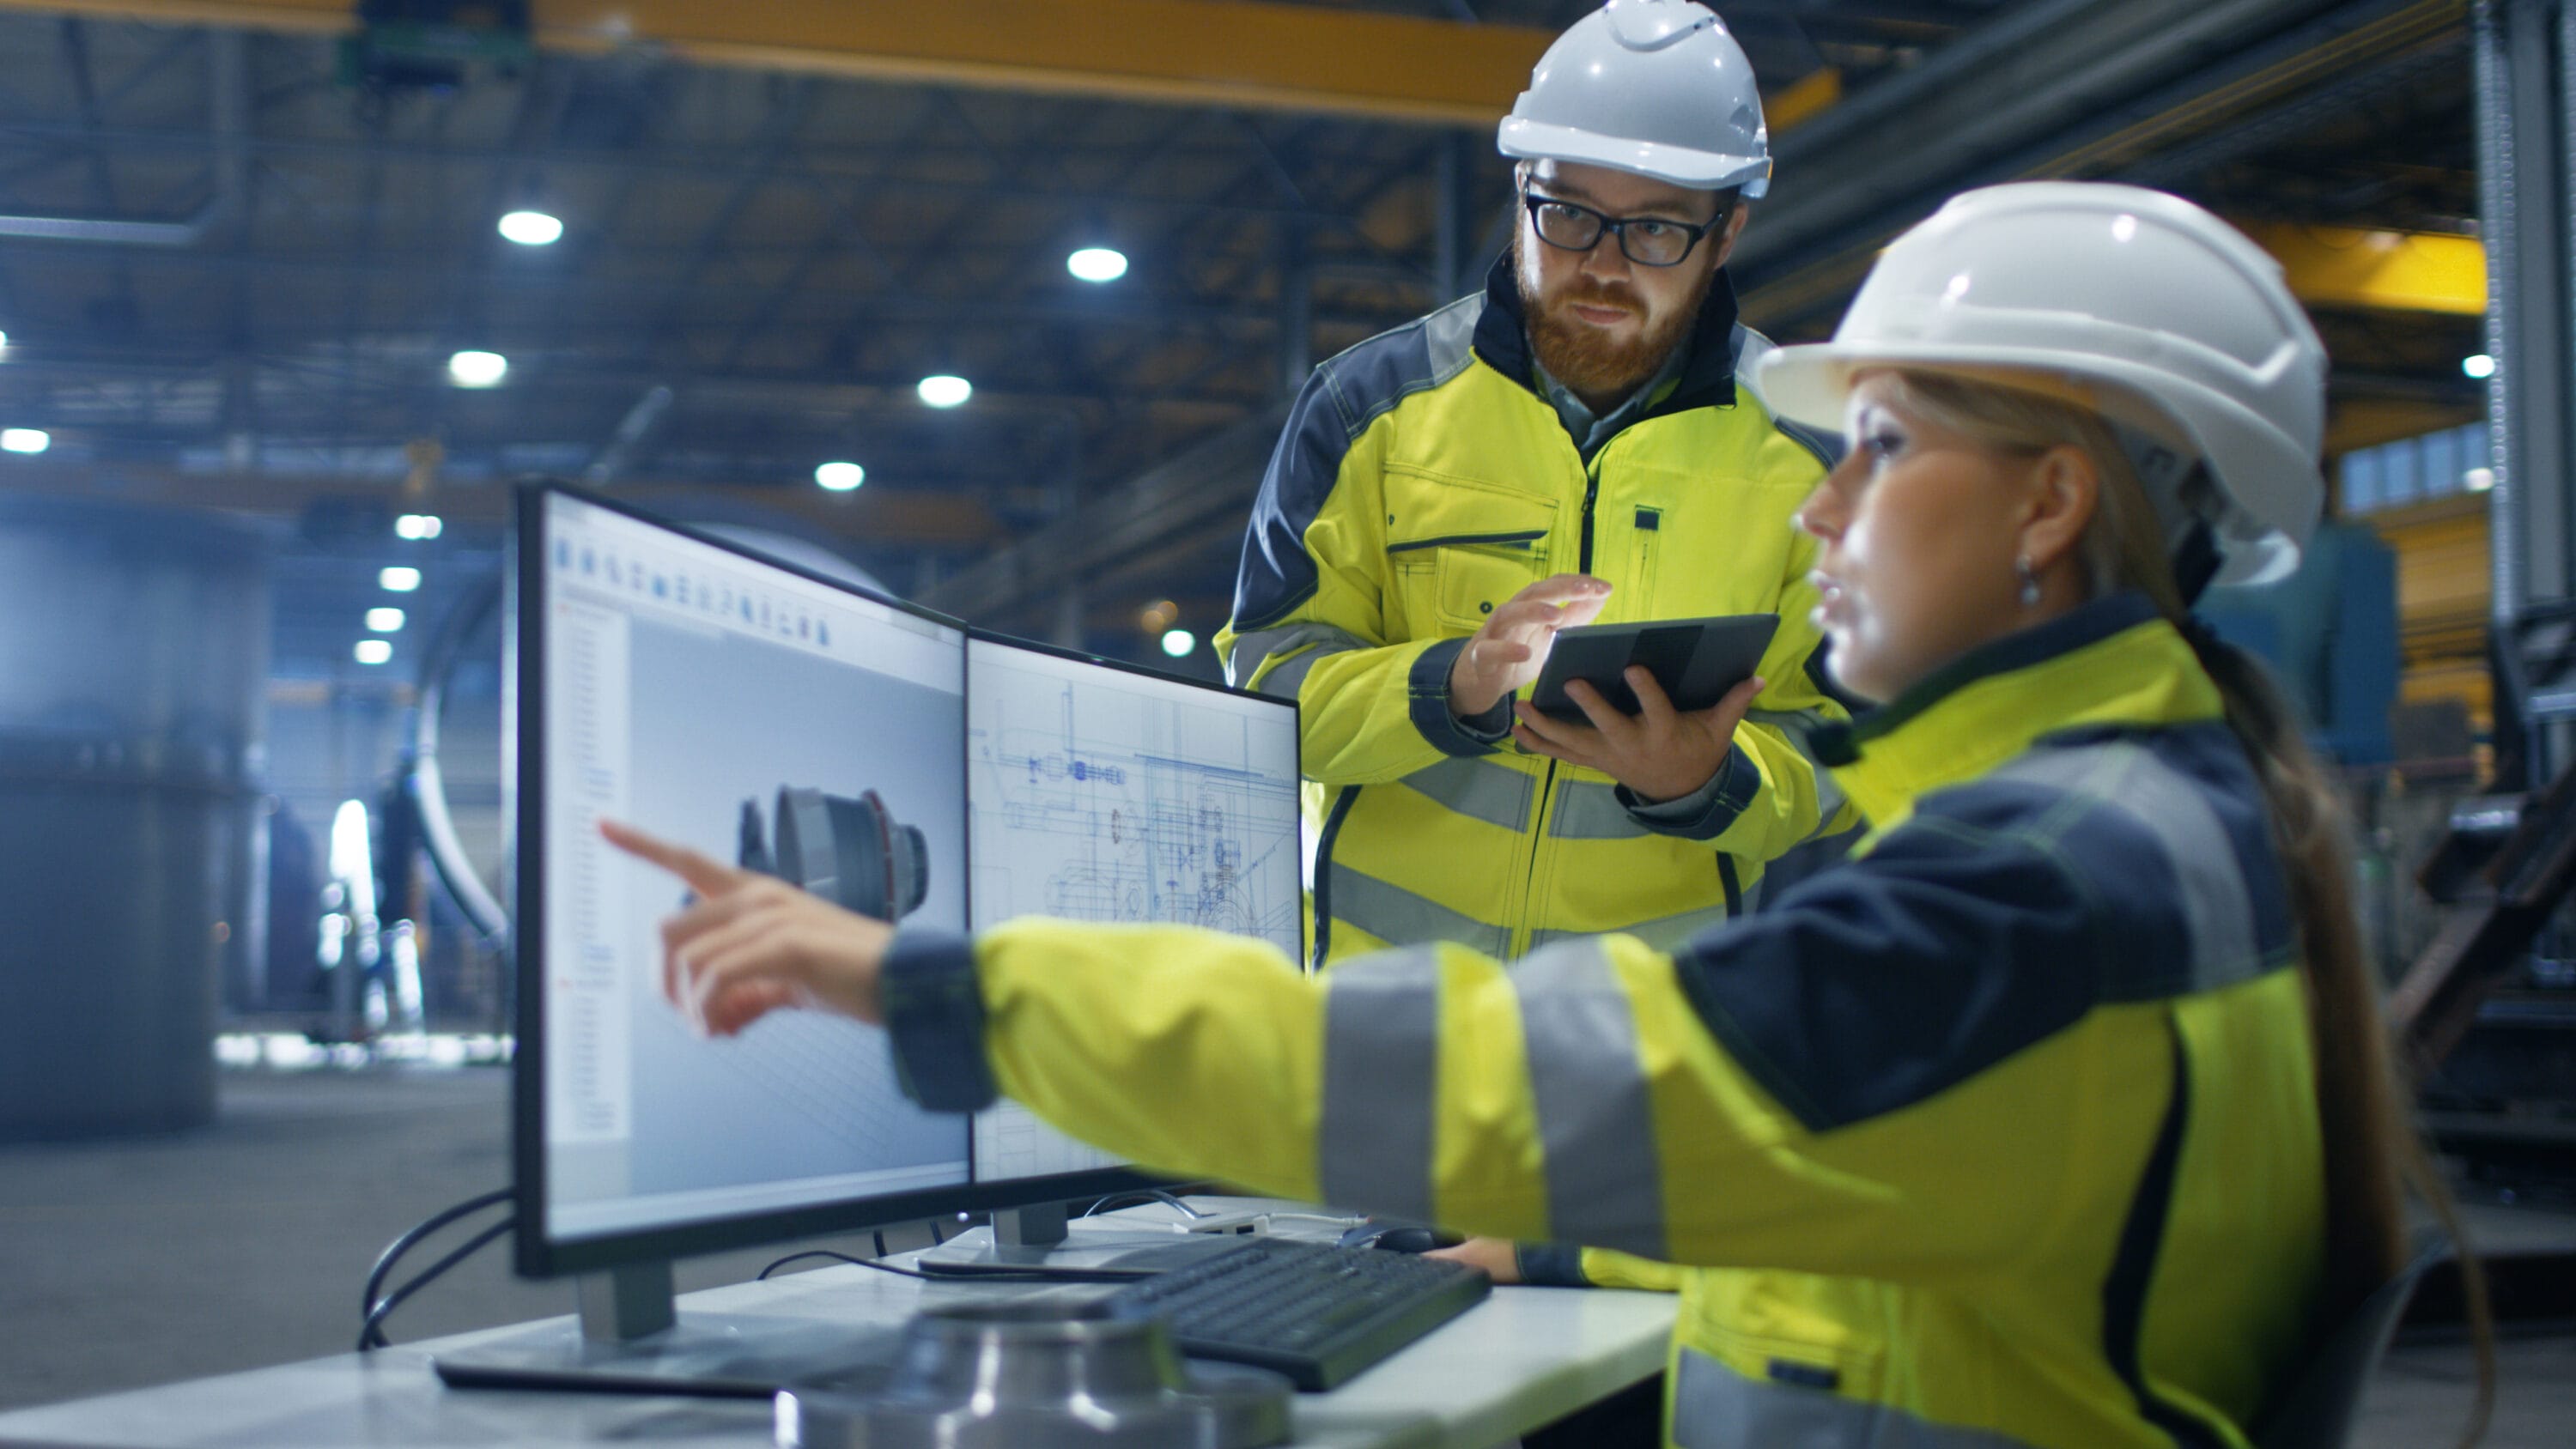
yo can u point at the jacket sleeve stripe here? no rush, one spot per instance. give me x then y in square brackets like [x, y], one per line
[1296, 648]
[1392, 913]
[1373, 1143]
[1605, 1184]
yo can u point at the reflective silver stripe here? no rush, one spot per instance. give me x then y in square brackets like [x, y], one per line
[1589, 811]
[1449, 336]
[1793, 725]
[1495, 794]
[1605, 1180]
[1400, 918]
[1664, 933]
[1381, 1078]
[2216, 909]
[1264, 644]
[1714, 1407]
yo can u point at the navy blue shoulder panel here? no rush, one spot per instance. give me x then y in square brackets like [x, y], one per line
[1750, 348]
[1999, 915]
[1828, 447]
[1340, 399]
[1884, 980]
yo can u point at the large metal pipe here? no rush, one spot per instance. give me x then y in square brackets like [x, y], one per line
[133, 660]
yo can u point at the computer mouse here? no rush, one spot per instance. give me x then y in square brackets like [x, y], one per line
[1401, 1237]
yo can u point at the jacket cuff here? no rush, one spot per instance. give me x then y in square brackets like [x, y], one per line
[1551, 1265]
[935, 1021]
[1427, 689]
[1705, 813]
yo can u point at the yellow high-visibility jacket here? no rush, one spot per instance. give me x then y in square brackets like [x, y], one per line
[2003, 1132]
[1420, 483]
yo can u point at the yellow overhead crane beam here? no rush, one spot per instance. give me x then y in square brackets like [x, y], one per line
[2387, 270]
[1227, 52]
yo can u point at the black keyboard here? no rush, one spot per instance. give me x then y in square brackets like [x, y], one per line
[1317, 1313]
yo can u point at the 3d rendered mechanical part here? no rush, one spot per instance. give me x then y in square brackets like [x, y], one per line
[852, 852]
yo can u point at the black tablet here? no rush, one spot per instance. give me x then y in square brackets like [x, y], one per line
[1695, 660]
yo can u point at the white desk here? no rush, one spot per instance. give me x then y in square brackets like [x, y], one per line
[1522, 1358]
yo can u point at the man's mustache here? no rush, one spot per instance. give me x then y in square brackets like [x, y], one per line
[1589, 293]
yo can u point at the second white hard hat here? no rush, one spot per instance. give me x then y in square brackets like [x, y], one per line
[2165, 318]
[1654, 87]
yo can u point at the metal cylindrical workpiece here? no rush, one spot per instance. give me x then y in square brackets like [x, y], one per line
[133, 663]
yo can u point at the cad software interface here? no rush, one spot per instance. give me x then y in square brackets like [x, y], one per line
[1102, 795]
[687, 687]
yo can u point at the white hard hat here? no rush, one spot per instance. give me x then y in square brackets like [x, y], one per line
[2167, 320]
[1656, 87]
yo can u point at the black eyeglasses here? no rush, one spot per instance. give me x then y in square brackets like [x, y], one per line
[1649, 241]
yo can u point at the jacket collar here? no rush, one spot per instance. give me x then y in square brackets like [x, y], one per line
[1707, 379]
[2114, 662]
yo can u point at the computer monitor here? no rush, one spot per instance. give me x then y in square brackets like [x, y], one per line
[796, 725]
[1099, 792]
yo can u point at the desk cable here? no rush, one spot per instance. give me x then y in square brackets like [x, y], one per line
[371, 1332]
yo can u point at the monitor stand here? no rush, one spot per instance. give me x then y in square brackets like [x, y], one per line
[1040, 1241]
[630, 1338]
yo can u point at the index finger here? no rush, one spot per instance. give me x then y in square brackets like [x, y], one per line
[1563, 588]
[706, 877]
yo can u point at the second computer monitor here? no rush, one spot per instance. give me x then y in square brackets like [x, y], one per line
[1102, 793]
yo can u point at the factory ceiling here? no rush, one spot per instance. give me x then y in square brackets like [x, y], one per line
[234, 270]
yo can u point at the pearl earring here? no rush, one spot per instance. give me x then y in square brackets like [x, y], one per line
[2029, 582]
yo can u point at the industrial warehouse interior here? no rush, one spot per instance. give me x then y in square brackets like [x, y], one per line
[932, 454]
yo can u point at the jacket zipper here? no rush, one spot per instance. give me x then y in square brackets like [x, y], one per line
[1547, 783]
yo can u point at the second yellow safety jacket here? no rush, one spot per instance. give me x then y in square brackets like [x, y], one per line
[1421, 482]
[2002, 1133]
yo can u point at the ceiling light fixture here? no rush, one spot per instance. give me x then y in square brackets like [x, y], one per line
[477, 369]
[1097, 264]
[532, 228]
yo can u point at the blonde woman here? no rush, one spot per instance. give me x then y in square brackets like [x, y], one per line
[2059, 1115]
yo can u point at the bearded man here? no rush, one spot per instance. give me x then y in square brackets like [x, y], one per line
[1578, 442]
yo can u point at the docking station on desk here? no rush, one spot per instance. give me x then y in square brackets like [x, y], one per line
[1042, 1241]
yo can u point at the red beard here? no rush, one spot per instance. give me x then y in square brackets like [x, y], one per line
[1585, 358]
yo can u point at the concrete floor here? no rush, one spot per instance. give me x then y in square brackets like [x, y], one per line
[139, 1262]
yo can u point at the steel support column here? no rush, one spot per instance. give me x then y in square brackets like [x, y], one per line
[2522, 55]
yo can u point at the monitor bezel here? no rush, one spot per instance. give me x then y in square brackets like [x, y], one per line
[536, 1254]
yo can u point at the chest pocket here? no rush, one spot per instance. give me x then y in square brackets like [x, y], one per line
[1458, 550]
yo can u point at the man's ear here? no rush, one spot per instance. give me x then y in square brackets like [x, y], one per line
[1734, 228]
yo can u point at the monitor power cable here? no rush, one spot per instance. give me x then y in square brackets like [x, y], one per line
[371, 1332]
[1148, 1194]
[1002, 1275]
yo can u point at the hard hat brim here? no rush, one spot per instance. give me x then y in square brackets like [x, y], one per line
[1530, 140]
